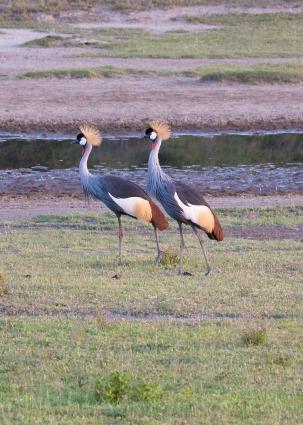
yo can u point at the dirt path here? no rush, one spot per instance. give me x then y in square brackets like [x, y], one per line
[14, 210]
[127, 103]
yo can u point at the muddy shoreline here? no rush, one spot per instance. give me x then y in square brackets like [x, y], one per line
[253, 180]
[50, 128]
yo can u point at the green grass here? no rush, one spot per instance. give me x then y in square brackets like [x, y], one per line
[198, 373]
[267, 35]
[47, 41]
[236, 35]
[73, 364]
[249, 281]
[243, 217]
[90, 73]
[254, 74]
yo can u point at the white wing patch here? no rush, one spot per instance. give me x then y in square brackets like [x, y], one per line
[198, 214]
[135, 206]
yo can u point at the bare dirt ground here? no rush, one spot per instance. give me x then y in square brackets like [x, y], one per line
[22, 208]
[163, 20]
[115, 104]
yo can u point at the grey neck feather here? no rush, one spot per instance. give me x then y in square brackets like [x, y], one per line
[155, 174]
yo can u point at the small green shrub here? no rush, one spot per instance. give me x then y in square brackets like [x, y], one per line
[256, 337]
[144, 391]
[3, 289]
[47, 41]
[169, 258]
[282, 360]
[118, 386]
[114, 388]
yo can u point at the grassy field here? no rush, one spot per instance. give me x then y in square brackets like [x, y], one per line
[90, 73]
[236, 35]
[253, 74]
[151, 347]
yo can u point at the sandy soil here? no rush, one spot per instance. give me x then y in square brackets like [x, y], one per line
[162, 20]
[126, 103]
[21, 208]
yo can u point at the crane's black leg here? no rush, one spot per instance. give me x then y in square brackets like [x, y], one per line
[209, 270]
[159, 252]
[120, 235]
[181, 249]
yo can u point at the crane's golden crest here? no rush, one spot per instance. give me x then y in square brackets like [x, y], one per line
[163, 129]
[91, 133]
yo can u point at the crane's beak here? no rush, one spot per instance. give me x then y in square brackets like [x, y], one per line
[145, 136]
[75, 142]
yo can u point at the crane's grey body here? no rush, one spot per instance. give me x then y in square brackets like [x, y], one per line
[107, 187]
[163, 188]
[100, 187]
[181, 202]
[96, 186]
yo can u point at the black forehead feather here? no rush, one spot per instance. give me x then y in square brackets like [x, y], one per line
[79, 137]
[148, 131]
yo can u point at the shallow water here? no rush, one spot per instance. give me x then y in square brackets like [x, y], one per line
[182, 151]
[217, 164]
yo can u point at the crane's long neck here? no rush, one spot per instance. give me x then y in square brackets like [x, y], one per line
[84, 173]
[155, 174]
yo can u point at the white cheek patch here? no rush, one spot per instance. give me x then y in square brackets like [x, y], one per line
[153, 135]
[83, 141]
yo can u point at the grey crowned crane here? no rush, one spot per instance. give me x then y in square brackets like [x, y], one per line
[183, 203]
[119, 195]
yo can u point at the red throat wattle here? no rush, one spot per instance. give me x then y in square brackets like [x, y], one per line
[83, 151]
[152, 145]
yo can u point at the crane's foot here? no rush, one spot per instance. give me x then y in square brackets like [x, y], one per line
[182, 273]
[209, 272]
[158, 258]
[187, 274]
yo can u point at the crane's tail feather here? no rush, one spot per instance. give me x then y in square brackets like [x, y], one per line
[217, 233]
[158, 218]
